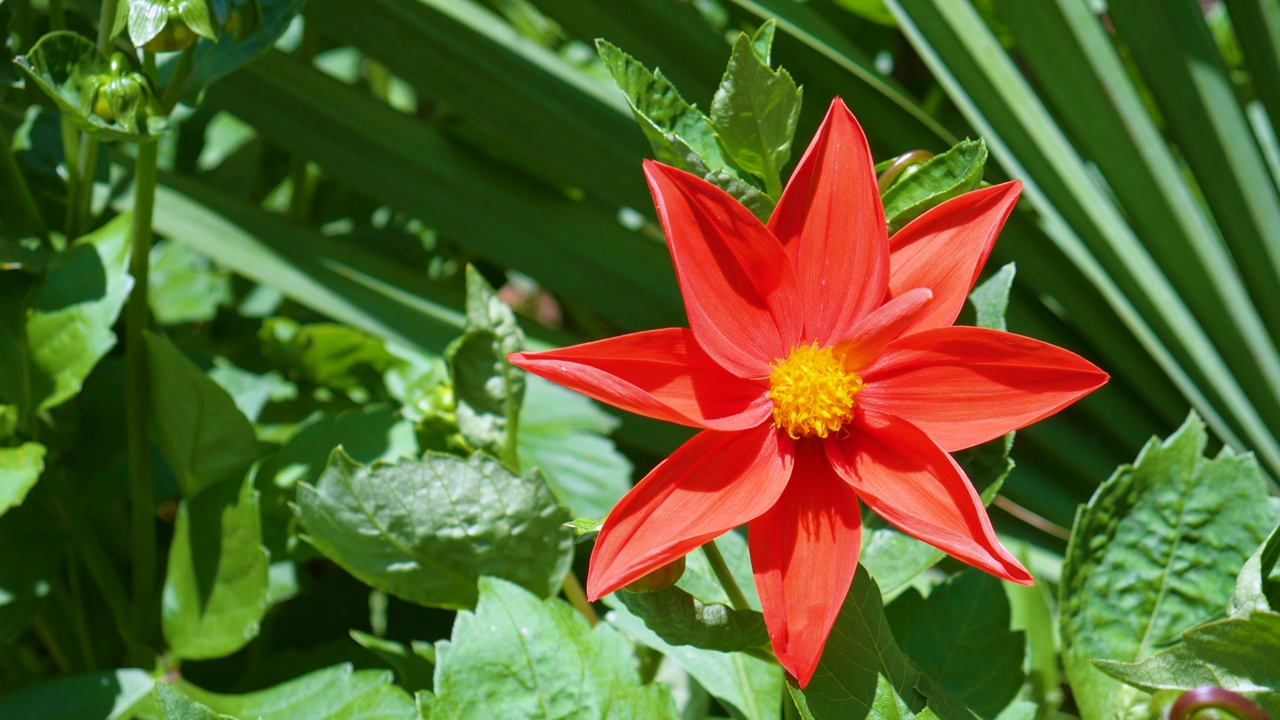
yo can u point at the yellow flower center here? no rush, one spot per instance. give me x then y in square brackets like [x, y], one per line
[812, 392]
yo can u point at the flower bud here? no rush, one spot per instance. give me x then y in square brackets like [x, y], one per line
[660, 579]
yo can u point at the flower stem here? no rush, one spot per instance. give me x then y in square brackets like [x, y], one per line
[106, 18]
[578, 599]
[737, 600]
[15, 179]
[137, 392]
[173, 91]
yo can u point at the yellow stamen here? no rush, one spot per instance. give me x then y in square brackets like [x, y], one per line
[812, 392]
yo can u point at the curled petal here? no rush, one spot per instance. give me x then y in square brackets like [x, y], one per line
[711, 484]
[963, 386]
[662, 374]
[832, 223]
[804, 552]
[918, 488]
[737, 284]
[945, 248]
[874, 332]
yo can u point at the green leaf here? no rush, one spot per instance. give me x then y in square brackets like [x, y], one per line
[700, 580]
[334, 693]
[413, 668]
[426, 530]
[215, 589]
[562, 434]
[873, 10]
[214, 60]
[520, 657]
[861, 654]
[203, 436]
[366, 435]
[1258, 585]
[681, 619]
[584, 529]
[751, 686]
[488, 390]
[327, 354]
[183, 285]
[53, 333]
[94, 696]
[680, 134]
[1148, 554]
[26, 578]
[63, 64]
[1241, 654]
[173, 706]
[951, 174]
[20, 468]
[990, 299]
[195, 13]
[146, 19]
[754, 114]
[960, 637]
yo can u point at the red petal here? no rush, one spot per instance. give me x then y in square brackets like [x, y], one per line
[804, 552]
[964, 386]
[874, 332]
[737, 284]
[661, 374]
[714, 482]
[945, 249]
[910, 482]
[832, 223]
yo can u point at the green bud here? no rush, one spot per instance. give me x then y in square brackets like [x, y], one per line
[660, 579]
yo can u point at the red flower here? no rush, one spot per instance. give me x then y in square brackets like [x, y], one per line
[823, 369]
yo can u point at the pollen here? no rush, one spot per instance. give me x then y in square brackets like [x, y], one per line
[812, 392]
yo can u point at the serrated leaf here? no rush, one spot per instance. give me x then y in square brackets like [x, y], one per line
[215, 588]
[562, 434]
[951, 174]
[1147, 556]
[413, 669]
[100, 696]
[681, 619]
[61, 64]
[750, 685]
[754, 114]
[1241, 654]
[960, 637]
[488, 390]
[520, 657]
[54, 331]
[675, 128]
[334, 693]
[426, 530]
[26, 578]
[20, 468]
[203, 436]
[1258, 585]
[173, 706]
[860, 653]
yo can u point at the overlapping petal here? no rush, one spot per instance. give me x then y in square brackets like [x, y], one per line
[885, 324]
[945, 248]
[832, 223]
[738, 286]
[711, 484]
[662, 374]
[963, 386]
[909, 481]
[804, 552]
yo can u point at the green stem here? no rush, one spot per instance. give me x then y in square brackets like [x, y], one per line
[302, 187]
[106, 18]
[75, 602]
[173, 91]
[137, 392]
[13, 175]
[578, 599]
[71, 158]
[88, 167]
[737, 600]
